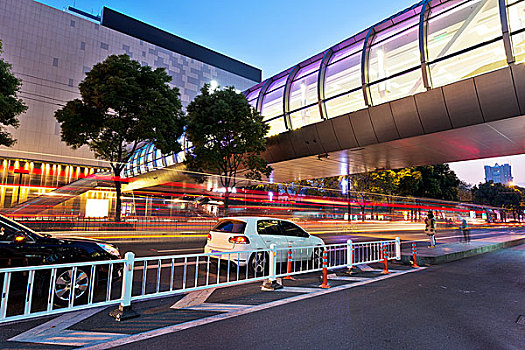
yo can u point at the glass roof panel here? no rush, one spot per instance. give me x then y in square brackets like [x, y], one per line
[307, 70]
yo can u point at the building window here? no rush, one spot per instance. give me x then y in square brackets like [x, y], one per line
[469, 64]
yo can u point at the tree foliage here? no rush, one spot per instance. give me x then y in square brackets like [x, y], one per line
[498, 195]
[465, 192]
[10, 105]
[122, 105]
[438, 181]
[226, 135]
[432, 181]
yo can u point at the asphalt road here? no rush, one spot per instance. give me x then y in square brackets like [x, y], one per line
[469, 304]
[183, 246]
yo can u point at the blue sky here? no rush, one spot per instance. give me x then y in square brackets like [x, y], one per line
[273, 35]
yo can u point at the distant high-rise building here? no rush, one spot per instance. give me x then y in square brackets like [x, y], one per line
[499, 174]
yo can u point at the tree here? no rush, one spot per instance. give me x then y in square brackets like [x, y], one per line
[10, 105]
[465, 192]
[122, 105]
[499, 195]
[438, 182]
[226, 135]
[408, 181]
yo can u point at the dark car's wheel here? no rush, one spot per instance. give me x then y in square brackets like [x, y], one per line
[64, 284]
[259, 264]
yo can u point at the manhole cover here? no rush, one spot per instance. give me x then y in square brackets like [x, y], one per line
[521, 320]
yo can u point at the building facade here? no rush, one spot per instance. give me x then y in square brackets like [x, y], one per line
[499, 174]
[51, 50]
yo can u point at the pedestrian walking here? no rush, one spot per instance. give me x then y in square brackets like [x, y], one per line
[430, 228]
[464, 228]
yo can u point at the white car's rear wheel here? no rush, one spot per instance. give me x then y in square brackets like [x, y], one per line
[259, 263]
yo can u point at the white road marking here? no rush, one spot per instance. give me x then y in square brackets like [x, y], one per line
[179, 250]
[59, 323]
[219, 307]
[349, 278]
[365, 267]
[55, 331]
[193, 298]
[298, 289]
[179, 327]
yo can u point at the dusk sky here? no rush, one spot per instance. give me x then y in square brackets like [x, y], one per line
[273, 35]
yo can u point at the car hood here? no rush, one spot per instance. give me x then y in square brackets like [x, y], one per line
[72, 239]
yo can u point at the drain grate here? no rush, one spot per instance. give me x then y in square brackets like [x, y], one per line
[521, 320]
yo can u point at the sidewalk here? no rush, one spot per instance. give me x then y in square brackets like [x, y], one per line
[447, 252]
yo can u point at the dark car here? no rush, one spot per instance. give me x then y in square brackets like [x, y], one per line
[20, 246]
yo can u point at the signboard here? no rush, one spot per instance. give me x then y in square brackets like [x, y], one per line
[97, 208]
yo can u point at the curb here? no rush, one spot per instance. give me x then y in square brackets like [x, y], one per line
[443, 259]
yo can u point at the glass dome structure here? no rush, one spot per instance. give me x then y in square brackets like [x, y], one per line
[148, 158]
[431, 44]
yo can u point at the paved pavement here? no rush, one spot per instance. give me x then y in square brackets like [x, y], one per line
[482, 242]
[94, 329]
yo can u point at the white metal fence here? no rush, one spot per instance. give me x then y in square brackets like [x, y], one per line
[49, 289]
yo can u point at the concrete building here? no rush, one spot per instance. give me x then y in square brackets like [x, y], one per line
[499, 174]
[51, 50]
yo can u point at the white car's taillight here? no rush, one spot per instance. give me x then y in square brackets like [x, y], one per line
[209, 236]
[239, 240]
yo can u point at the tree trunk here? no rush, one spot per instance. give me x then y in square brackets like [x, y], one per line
[226, 201]
[118, 190]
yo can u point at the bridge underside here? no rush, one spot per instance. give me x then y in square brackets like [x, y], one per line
[493, 139]
[476, 118]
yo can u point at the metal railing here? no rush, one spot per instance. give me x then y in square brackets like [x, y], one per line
[50, 289]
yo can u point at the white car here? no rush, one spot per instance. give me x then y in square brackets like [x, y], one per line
[256, 234]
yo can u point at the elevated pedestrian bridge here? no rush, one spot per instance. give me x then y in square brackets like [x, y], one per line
[441, 81]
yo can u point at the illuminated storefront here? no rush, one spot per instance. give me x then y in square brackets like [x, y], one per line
[22, 179]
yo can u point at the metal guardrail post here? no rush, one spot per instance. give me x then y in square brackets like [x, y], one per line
[271, 283]
[398, 248]
[124, 311]
[273, 262]
[349, 254]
